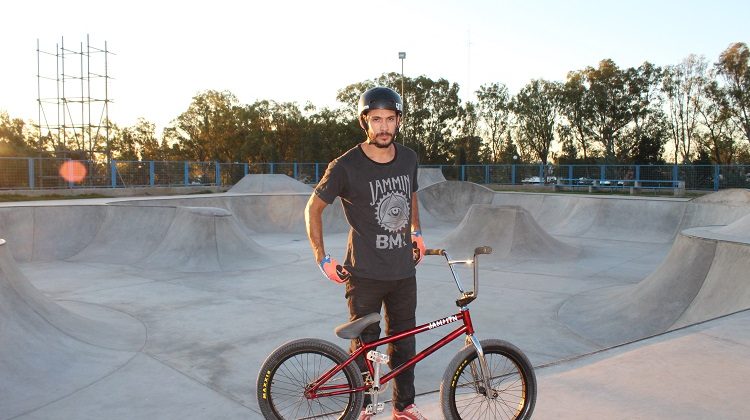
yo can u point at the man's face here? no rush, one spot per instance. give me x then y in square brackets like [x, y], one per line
[381, 127]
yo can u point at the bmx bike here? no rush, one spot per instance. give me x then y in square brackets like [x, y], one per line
[314, 379]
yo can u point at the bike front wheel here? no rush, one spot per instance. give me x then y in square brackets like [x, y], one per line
[287, 372]
[511, 377]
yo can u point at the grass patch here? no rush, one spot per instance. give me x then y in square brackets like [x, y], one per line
[623, 192]
[21, 197]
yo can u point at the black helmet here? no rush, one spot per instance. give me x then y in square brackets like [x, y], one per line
[380, 98]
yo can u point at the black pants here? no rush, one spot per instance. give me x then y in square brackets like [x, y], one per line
[399, 298]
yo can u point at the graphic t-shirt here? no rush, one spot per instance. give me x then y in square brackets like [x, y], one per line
[377, 203]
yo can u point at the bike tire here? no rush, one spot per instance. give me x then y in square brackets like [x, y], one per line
[512, 380]
[291, 367]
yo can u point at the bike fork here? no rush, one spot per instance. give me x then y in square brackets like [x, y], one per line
[481, 377]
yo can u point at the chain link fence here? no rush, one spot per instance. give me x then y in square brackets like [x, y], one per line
[50, 173]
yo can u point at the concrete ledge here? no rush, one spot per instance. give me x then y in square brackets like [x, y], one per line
[636, 189]
[120, 192]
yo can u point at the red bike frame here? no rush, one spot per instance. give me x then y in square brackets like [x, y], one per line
[318, 388]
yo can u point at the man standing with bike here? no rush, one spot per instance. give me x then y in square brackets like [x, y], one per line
[377, 183]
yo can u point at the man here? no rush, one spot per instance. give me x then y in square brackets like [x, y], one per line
[377, 183]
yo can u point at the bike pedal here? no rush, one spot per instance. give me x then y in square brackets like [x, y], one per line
[373, 410]
[378, 357]
[380, 390]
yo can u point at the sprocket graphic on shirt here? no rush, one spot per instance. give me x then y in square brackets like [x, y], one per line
[392, 211]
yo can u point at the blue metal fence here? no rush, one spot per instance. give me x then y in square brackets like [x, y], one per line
[45, 173]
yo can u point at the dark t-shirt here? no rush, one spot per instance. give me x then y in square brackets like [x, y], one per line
[377, 203]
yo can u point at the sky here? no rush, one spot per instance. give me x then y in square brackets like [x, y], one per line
[165, 52]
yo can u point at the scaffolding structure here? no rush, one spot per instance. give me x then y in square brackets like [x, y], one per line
[73, 120]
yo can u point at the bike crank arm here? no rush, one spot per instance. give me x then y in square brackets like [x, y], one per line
[378, 359]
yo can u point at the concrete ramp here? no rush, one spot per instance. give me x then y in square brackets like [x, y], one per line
[269, 183]
[202, 239]
[619, 314]
[719, 208]
[283, 213]
[260, 213]
[731, 196]
[185, 239]
[429, 176]
[651, 221]
[618, 218]
[448, 202]
[726, 288]
[705, 276]
[22, 302]
[49, 233]
[727, 285]
[509, 230]
[48, 350]
[133, 231]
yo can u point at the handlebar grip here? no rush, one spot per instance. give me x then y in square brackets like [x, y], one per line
[431, 251]
[483, 250]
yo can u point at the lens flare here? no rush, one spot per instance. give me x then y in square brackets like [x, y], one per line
[73, 171]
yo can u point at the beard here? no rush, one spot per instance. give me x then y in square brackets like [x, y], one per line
[382, 140]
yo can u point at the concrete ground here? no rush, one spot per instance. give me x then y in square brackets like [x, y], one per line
[166, 307]
[699, 372]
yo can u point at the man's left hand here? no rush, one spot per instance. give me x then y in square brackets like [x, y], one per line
[417, 246]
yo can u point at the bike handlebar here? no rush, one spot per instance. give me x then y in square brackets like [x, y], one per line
[477, 251]
[466, 297]
[483, 250]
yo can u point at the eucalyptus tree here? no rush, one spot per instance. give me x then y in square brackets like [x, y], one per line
[536, 108]
[644, 139]
[609, 104]
[617, 109]
[575, 130]
[209, 129]
[14, 139]
[568, 150]
[137, 142]
[509, 152]
[468, 144]
[287, 124]
[734, 66]
[718, 139]
[329, 133]
[684, 88]
[271, 131]
[493, 105]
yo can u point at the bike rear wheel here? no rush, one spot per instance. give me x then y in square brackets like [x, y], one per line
[288, 370]
[512, 383]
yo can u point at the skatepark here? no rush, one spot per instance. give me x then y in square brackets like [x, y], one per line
[165, 307]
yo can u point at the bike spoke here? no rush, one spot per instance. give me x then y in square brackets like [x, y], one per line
[506, 398]
[291, 380]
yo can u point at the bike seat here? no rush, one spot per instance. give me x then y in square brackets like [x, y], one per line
[354, 328]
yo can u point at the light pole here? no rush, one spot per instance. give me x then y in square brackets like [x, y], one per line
[401, 56]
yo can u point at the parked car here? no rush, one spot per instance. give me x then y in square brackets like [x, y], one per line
[537, 180]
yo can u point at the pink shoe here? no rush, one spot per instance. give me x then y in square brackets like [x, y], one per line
[364, 416]
[410, 413]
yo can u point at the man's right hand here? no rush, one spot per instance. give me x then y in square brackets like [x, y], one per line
[333, 270]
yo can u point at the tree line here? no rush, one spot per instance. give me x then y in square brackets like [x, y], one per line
[691, 112]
